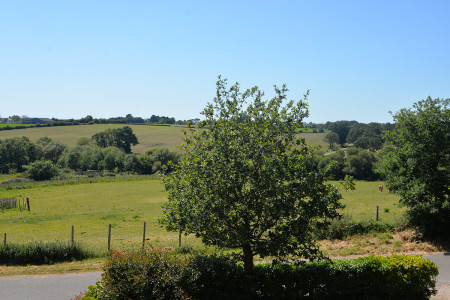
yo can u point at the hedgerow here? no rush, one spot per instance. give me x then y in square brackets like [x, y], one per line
[38, 253]
[159, 275]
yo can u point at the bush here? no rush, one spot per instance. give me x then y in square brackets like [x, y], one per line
[38, 253]
[16, 180]
[159, 275]
[143, 275]
[42, 170]
[345, 227]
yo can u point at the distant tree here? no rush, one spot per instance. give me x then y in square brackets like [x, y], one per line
[15, 153]
[16, 119]
[41, 170]
[243, 182]
[361, 164]
[418, 166]
[332, 138]
[81, 158]
[341, 128]
[121, 138]
[49, 150]
[113, 159]
[163, 158]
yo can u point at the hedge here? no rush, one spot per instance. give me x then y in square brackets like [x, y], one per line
[158, 275]
[38, 253]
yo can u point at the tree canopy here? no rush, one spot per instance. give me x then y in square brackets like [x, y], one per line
[243, 180]
[121, 138]
[417, 166]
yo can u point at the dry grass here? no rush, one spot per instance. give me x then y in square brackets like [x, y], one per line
[378, 244]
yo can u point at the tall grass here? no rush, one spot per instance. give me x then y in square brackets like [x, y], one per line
[39, 253]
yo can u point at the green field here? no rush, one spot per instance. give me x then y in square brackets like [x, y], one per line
[148, 136]
[126, 205]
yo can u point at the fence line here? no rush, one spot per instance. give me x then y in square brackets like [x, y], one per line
[76, 180]
[109, 239]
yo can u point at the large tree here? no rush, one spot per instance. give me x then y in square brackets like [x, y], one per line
[243, 181]
[417, 167]
[121, 138]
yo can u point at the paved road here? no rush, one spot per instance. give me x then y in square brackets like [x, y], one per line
[46, 287]
[443, 279]
[67, 286]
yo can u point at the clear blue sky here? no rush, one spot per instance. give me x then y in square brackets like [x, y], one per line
[360, 59]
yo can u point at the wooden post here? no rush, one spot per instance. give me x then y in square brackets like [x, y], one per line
[73, 240]
[143, 237]
[179, 239]
[377, 212]
[109, 237]
[28, 204]
[4, 240]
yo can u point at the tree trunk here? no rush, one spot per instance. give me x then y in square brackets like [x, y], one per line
[248, 259]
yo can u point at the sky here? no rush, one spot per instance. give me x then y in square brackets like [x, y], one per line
[359, 59]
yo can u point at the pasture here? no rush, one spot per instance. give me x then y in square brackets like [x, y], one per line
[149, 136]
[126, 205]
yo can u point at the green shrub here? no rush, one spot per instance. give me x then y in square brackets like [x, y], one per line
[38, 253]
[42, 170]
[345, 227]
[143, 274]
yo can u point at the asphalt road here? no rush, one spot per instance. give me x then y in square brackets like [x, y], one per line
[67, 286]
[46, 287]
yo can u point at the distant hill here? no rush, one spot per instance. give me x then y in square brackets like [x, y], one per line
[148, 136]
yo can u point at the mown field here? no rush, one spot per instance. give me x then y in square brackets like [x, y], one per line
[148, 136]
[126, 205]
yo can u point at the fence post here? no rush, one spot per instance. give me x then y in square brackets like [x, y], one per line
[377, 212]
[109, 237]
[143, 237]
[179, 239]
[73, 240]
[28, 204]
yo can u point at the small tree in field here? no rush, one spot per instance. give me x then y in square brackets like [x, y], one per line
[243, 182]
[332, 138]
[417, 167]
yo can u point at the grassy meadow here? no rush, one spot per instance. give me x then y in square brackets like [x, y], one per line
[126, 205]
[149, 136]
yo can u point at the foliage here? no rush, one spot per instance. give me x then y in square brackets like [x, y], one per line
[41, 170]
[345, 227]
[144, 274]
[342, 128]
[121, 138]
[15, 153]
[156, 275]
[38, 253]
[358, 163]
[332, 138]
[47, 149]
[243, 181]
[417, 166]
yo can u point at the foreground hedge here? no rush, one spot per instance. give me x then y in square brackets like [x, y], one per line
[156, 275]
[37, 253]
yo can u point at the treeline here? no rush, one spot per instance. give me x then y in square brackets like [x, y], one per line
[356, 162]
[89, 120]
[46, 158]
[363, 147]
[360, 135]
